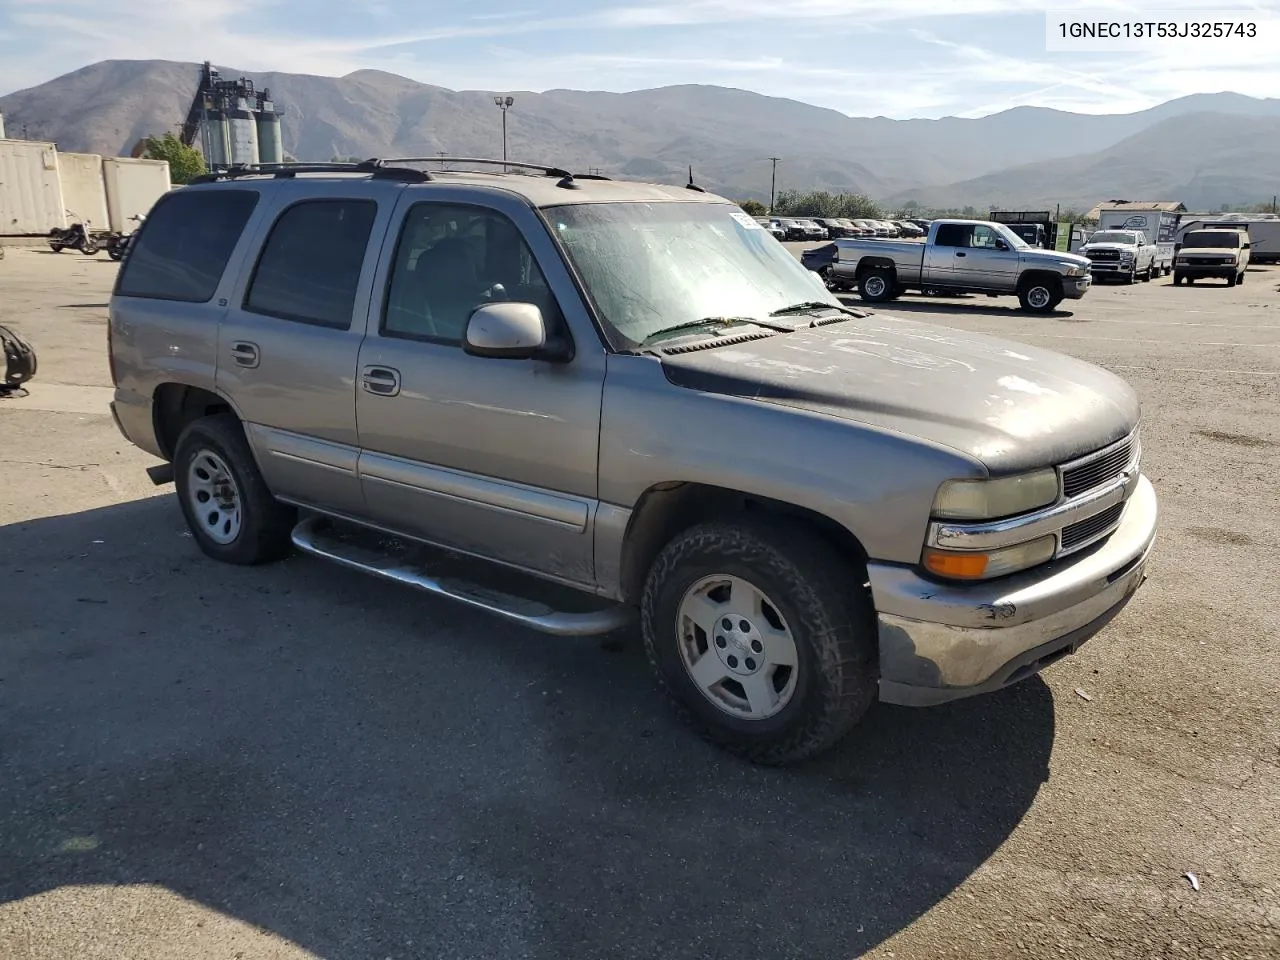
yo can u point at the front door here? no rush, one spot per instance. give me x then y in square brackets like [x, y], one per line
[493, 457]
[290, 339]
[992, 263]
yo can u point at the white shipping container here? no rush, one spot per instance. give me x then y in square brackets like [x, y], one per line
[83, 192]
[133, 187]
[30, 189]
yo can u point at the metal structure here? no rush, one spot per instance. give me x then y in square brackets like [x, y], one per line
[504, 104]
[237, 124]
[773, 183]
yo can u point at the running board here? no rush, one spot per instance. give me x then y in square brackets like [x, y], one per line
[420, 566]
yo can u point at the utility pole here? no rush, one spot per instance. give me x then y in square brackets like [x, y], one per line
[773, 183]
[504, 104]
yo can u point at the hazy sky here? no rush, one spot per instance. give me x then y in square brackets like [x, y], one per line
[897, 58]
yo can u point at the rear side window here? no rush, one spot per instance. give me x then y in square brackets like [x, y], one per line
[310, 265]
[184, 246]
[953, 235]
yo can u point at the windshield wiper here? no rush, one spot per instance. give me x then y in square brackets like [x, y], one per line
[712, 322]
[808, 306]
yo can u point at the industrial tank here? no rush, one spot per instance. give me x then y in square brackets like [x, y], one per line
[270, 147]
[216, 136]
[244, 136]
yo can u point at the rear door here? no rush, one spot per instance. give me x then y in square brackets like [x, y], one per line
[290, 338]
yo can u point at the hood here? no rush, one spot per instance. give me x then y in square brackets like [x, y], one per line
[1056, 256]
[1010, 406]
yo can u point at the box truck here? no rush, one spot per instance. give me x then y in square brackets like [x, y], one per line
[1160, 226]
[133, 187]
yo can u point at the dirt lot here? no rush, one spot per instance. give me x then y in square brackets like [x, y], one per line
[199, 761]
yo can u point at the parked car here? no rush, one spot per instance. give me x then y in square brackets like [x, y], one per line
[908, 229]
[832, 226]
[773, 226]
[812, 230]
[851, 229]
[871, 228]
[438, 379]
[1212, 253]
[971, 256]
[792, 229]
[1121, 255]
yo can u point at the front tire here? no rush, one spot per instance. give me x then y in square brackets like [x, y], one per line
[762, 638]
[227, 505]
[1177, 279]
[1040, 296]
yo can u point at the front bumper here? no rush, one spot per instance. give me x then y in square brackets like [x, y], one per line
[1110, 268]
[1073, 288]
[945, 642]
[1222, 270]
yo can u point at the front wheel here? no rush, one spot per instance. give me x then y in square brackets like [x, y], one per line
[876, 286]
[1146, 277]
[1040, 296]
[761, 636]
[89, 246]
[227, 505]
[1177, 279]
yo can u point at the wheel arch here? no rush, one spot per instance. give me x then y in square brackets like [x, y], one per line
[867, 264]
[665, 509]
[174, 405]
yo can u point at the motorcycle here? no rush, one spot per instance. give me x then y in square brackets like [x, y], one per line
[75, 237]
[118, 243]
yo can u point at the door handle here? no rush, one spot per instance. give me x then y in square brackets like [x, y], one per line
[961, 253]
[245, 353]
[382, 381]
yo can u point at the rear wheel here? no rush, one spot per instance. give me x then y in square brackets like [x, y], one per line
[760, 636]
[227, 505]
[876, 286]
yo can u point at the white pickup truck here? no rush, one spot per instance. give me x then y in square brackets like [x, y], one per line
[961, 256]
[1121, 255]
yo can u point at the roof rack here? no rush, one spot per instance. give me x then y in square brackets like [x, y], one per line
[567, 178]
[281, 171]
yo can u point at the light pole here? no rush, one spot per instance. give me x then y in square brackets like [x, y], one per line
[773, 183]
[504, 104]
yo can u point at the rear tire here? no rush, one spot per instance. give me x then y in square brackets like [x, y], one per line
[227, 505]
[800, 601]
[876, 286]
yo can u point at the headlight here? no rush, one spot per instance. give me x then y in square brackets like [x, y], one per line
[985, 565]
[1076, 271]
[992, 499]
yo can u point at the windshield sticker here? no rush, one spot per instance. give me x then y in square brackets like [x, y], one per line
[745, 220]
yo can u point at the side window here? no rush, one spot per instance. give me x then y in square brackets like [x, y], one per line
[953, 235]
[183, 248]
[984, 237]
[451, 259]
[310, 265]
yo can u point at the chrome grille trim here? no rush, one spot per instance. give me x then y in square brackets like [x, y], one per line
[1098, 468]
[1077, 536]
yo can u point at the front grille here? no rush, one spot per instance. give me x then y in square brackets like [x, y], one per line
[1209, 261]
[1093, 473]
[1104, 254]
[1084, 531]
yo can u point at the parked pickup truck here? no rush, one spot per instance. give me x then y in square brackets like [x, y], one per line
[1121, 255]
[574, 403]
[962, 256]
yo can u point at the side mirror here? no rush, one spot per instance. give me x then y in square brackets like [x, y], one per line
[507, 330]
[1001, 245]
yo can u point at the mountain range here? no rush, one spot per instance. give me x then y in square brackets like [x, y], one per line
[1205, 150]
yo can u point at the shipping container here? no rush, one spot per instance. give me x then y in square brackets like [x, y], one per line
[84, 193]
[30, 189]
[133, 187]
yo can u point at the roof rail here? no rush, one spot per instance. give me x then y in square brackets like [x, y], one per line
[281, 171]
[548, 170]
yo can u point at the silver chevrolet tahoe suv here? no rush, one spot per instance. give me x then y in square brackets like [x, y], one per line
[567, 400]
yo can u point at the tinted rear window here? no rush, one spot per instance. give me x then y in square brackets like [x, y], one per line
[183, 248]
[310, 266]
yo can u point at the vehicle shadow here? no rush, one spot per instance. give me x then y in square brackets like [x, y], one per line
[977, 307]
[368, 772]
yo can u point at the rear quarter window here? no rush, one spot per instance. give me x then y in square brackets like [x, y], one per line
[183, 248]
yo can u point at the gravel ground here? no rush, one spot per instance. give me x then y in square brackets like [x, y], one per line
[201, 761]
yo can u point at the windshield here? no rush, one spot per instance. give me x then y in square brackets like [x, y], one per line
[1012, 238]
[1211, 238]
[1111, 236]
[650, 266]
